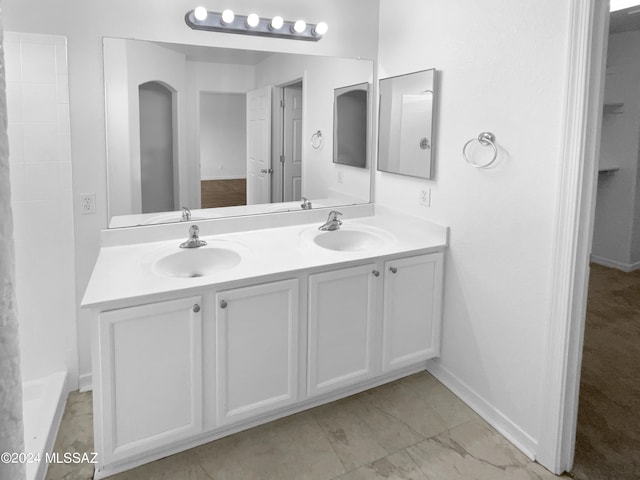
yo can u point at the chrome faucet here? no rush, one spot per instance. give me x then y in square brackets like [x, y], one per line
[186, 214]
[193, 241]
[306, 204]
[332, 222]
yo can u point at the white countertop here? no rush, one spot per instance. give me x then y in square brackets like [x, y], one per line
[123, 275]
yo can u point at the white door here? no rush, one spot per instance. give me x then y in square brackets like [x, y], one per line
[412, 310]
[292, 133]
[341, 333]
[259, 146]
[257, 349]
[150, 376]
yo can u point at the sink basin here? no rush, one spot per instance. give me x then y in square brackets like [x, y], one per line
[196, 262]
[349, 238]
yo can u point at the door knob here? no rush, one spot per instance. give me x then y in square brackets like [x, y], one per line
[196, 308]
[223, 304]
[266, 170]
[376, 273]
[393, 269]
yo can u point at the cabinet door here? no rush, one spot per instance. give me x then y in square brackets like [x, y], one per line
[412, 310]
[257, 349]
[341, 319]
[151, 376]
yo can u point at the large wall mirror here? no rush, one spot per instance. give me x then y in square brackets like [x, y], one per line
[406, 124]
[224, 132]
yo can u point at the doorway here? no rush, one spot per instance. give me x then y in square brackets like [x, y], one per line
[607, 443]
[287, 142]
[222, 149]
[157, 166]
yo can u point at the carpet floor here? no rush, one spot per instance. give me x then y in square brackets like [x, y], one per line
[608, 436]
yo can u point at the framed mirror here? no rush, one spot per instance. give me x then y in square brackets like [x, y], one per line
[224, 132]
[405, 135]
[350, 129]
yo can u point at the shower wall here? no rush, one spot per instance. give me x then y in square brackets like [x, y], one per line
[41, 199]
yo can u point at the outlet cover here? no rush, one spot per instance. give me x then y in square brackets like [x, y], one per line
[425, 197]
[87, 203]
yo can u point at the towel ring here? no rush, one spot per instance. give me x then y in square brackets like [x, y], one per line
[486, 139]
[316, 140]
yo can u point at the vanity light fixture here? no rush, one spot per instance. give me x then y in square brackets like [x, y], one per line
[320, 29]
[228, 22]
[276, 23]
[253, 20]
[226, 17]
[200, 13]
[299, 27]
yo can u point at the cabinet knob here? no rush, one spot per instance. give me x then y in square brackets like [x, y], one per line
[393, 269]
[196, 308]
[376, 273]
[223, 304]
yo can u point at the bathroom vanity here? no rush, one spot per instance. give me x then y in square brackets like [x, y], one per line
[190, 345]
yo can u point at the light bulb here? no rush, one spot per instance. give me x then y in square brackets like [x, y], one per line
[253, 20]
[300, 26]
[227, 17]
[320, 29]
[276, 23]
[200, 13]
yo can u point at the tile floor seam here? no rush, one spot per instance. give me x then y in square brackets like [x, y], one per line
[326, 436]
[411, 429]
[413, 459]
[399, 449]
[204, 470]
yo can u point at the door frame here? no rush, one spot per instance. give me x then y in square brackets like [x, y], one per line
[584, 88]
[277, 136]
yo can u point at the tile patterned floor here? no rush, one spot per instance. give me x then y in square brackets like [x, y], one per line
[413, 429]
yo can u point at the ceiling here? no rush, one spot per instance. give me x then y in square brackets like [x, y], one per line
[625, 20]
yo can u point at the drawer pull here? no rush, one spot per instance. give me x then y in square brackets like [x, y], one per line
[196, 308]
[376, 273]
[223, 304]
[393, 269]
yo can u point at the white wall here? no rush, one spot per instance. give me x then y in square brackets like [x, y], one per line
[223, 136]
[616, 236]
[501, 69]
[321, 76]
[353, 32]
[40, 163]
[128, 65]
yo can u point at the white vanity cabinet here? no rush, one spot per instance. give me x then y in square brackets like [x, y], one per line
[412, 310]
[353, 336]
[178, 367]
[256, 349]
[150, 382]
[341, 329]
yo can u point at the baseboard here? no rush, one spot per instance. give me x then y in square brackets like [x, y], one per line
[605, 262]
[85, 383]
[507, 428]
